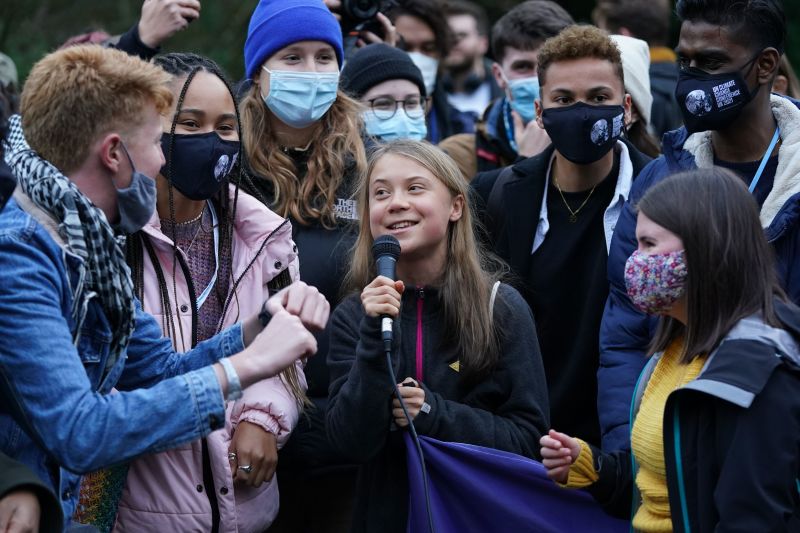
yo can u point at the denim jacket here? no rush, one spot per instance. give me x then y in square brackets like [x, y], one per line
[58, 414]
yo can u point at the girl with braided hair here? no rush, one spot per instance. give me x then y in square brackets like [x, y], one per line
[210, 255]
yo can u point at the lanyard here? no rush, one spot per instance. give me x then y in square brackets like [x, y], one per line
[214, 224]
[509, 126]
[765, 159]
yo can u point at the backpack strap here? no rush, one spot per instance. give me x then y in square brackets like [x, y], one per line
[493, 297]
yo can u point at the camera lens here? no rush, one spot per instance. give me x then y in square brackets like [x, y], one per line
[361, 9]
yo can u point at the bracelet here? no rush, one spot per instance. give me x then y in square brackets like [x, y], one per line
[234, 385]
[264, 316]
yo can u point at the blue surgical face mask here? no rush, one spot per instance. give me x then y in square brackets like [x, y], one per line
[429, 67]
[300, 99]
[522, 93]
[400, 126]
[137, 202]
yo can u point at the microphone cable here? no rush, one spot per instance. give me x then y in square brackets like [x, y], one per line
[415, 438]
[386, 251]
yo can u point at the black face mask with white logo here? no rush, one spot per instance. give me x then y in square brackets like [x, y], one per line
[712, 101]
[200, 163]
[584, 133]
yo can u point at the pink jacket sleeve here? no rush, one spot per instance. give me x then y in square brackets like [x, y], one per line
[270, 405]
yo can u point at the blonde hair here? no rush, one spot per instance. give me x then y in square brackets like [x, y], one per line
[467, 281]
[337, 146]
[74, 95]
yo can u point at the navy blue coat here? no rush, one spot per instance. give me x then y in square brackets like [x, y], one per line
[625, 332]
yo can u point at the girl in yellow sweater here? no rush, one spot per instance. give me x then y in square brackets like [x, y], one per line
[716, 414]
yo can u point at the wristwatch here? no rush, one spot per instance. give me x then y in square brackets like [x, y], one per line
[234, 385]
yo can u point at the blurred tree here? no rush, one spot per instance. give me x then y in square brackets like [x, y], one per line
[31, 28]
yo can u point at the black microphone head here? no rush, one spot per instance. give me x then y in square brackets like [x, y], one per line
[386, 245]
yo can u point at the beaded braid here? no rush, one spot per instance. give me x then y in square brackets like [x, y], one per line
[171, 197]
[135, 258]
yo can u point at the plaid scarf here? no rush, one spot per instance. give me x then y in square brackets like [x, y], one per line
[87, 234]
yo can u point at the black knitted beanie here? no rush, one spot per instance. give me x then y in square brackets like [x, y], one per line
[375, 64]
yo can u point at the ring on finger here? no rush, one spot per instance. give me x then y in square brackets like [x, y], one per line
[246, 468]
[231, 456]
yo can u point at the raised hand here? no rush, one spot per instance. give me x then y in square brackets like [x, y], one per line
[161, 19]
[531, 138]
[304, 302]
[389, 33]
[276, 347]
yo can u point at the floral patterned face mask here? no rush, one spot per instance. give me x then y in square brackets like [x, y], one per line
[655, 281]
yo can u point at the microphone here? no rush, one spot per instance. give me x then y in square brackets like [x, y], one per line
[385, 251]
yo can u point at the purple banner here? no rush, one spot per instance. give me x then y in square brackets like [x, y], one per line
[481, 490]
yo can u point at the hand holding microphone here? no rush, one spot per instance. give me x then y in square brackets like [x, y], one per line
[382, 297]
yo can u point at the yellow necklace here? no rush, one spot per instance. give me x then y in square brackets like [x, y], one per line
[573, 215]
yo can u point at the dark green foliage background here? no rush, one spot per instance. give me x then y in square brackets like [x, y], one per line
[31, 28]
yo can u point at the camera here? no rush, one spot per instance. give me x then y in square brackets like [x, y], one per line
[358, 13]
[359, 16]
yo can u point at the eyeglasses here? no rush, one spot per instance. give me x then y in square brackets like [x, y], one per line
[385, 107]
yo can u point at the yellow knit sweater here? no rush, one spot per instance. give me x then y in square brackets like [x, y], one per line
[647, 441]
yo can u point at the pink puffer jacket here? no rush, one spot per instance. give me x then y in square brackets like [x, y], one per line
[165, 491]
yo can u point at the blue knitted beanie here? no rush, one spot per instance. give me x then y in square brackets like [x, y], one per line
[276, 24]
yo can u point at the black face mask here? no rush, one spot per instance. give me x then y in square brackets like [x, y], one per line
[712, 101]
[584, 133]
[200, 163]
